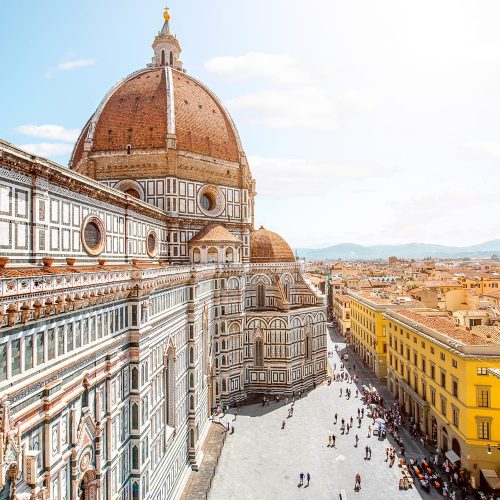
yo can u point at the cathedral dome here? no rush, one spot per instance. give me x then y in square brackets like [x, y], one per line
[266, 246]
[156, 104]
[154, 110]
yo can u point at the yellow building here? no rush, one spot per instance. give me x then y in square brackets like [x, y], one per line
[367, 325]
[482, 284]
[448, 379]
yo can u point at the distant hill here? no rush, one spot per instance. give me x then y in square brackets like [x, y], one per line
[351, 251]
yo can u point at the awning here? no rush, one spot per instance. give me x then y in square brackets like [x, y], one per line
[491, 478]
[452, 456]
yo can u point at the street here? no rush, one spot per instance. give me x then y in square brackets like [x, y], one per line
[263, 461]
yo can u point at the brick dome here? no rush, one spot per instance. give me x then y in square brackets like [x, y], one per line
[153, 105]
[266, 246]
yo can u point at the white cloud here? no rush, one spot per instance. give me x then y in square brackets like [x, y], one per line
[48, 149]
[76, 63]
[292, 97]
[299, 107]
[68, 66]
[55, 132]
[292, 178]
[276, 68]
[485, 149]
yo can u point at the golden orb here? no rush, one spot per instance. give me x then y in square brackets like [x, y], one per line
[166, 15]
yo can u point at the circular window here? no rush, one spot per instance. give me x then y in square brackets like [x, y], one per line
[93, 235]
[152, 244]
[211, 201]
[207, 202]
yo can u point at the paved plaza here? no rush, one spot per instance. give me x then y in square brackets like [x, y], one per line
[262, 461]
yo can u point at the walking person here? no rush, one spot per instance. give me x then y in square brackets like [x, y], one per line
[329, 440]
[369, 452]
[369, 431]
[333, 440]
[366, 452]
[357, 482]
[357, 440]
[301, 479]
[308, 478]
[335, 423]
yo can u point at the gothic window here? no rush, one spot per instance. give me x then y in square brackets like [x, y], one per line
[261, 295]
[191, 380]
[163, 58]
[135, 491]
[224, 387]
[169, 388]
[259, 353]
[308, 346]
[171, 58]
[135, 416]
[135, 378]
[191, 355]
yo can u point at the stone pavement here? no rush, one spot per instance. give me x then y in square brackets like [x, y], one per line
[261, 461]
[199, 482]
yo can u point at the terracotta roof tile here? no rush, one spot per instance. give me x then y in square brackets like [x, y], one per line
[214, 233]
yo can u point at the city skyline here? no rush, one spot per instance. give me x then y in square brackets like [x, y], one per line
[367, 133]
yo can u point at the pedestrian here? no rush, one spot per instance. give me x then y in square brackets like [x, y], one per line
[333, 440]
[308, 478]
[366, 452]
[283, 424]
[387, 454]
[357, 440]
[329, 440]
[369, 452]
[359, 412]
[301, 479]
[286, 400]
[335, 419]
[362, 412]
[351, 421]
[369, 431]
[340, 392]
[357, 482]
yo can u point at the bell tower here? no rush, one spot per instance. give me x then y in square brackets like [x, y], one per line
[166, 46]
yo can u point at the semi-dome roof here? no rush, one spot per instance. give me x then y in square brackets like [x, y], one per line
[266, 246]
[154, 104]
[214, 233]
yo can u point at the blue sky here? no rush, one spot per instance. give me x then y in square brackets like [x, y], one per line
[368, 122]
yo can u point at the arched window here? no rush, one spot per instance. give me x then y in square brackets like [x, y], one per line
[229, 255]
[223, 344]
[261, 295]
[223, 360]
[191, 403]
[196, 256]
[259, 353]
[213, 255]
[163, 58]
[144, 410]
[224, 385]
[171, 58]
[191, 380]
[191, 438]
[135, 416]
[169, 388]
[135, 491]
[135, 457]
[191, 355]
[135, 378]
[308, 346]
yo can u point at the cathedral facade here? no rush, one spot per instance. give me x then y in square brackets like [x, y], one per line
[136, 295]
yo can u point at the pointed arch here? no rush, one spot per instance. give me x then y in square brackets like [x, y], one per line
[169, 382]
[259, 352]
